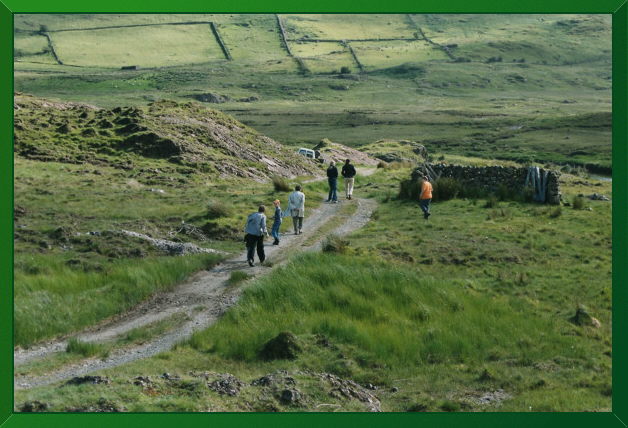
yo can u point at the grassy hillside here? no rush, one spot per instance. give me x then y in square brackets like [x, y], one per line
[467, 84]
[470, 311]
[173, 171]
[187, 135]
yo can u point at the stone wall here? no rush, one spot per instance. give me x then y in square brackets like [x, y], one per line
[491, 178]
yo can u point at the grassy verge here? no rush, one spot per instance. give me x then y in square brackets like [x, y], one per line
[426, 343]
[78, 351]
[61, 300]
[72, 269]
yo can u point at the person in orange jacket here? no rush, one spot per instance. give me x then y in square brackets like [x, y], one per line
[425, 197]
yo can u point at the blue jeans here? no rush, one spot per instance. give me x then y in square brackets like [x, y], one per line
[275, 230]
[425, 207]
[333, 186]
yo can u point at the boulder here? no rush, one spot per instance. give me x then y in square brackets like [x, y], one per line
[282, 346]
[210, 98]
[583, 318]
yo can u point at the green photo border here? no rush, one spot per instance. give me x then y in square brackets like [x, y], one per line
[616, 418]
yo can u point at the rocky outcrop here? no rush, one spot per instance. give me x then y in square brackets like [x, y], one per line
[330, 151]
[186, 134]
[397, 151]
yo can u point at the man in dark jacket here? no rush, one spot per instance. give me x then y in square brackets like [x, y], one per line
[348, 172]
[332, 178]
[255, 230]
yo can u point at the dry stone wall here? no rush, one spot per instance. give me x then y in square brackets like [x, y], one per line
[491, 178]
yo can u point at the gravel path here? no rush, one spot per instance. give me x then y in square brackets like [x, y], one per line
[204, 298]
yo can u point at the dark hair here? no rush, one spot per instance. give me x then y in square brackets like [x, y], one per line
[348, 160]
[261, 208]
[297, 187]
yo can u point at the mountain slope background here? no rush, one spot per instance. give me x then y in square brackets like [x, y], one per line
[520, 87]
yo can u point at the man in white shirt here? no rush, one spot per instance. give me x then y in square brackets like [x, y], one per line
[296, 206]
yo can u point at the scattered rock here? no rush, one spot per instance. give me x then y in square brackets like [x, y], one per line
[93, 380]
[342, 388]
[290, 396]
[33, 406]
[226, 384]
[248, 99]
[168, 376]
[283, 346]
[170, 247]
[278, 378]
[494, 397]
[599, 197]
[210, 98]
[157, 191]
[394, 389]
[142, 381]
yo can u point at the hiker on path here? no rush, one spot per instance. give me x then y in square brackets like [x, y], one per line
[348, 172]
[332, 178]
[277, 222]
[425, 197]
[255, 230]
[296, 207]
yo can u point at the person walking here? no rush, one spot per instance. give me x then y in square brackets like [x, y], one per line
[348, 172]
[277, 222]
[296, 205]
[255, 230]
[332, 179]
[425, 197]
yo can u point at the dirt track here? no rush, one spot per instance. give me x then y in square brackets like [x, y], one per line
[207, 290]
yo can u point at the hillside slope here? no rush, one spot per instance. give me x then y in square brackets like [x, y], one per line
[186, 134]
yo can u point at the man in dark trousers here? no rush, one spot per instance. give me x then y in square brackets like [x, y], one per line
[255, 230]
[332, 178]
[348, 172]
[425, 197]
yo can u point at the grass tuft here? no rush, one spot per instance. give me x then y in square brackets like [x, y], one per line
[280, 184]
[335, 244]
[86, 349]
[218, 209]
[237, 277]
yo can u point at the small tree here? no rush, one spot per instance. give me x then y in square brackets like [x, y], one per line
[345, 70]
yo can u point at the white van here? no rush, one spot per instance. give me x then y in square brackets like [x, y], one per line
[307, 153]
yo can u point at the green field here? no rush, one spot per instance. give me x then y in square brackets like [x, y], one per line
[504, 73]
[152, 46]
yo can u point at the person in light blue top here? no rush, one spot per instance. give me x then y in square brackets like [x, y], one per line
[255, 230]
[277, 222]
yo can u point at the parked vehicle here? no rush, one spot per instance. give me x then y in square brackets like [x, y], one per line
[308, 153]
